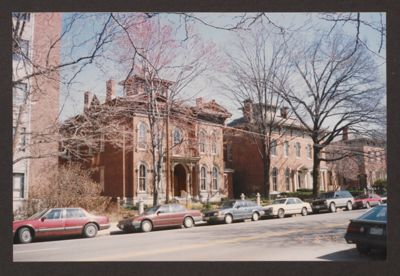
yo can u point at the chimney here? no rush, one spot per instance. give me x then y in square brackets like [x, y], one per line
[87, 99]
[199, 101]
[284, 112]
[248, 110]
[110, 90]
[345, 134]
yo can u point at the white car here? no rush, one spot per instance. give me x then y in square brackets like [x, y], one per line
[287, 206]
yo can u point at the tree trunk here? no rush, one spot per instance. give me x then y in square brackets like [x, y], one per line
[316, 170]
[266, 171]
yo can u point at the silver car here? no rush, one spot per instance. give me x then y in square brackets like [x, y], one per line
[232, 210]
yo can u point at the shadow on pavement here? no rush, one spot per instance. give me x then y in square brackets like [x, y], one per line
[353, 255]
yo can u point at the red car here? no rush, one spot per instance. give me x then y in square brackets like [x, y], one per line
[161, 216]
[59, 222]
[367, 201]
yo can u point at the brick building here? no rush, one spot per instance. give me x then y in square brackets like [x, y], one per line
[291, 155]
[35, 99]
[195, 136]
[365, 163]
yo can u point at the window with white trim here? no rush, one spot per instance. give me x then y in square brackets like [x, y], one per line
[273, 148]
[203, 178]
[177, 136]
[202, 141]
[286, 148]
[287, 179]
[308, 150]
[142, 178]
[215, 178]
[142, 136]
[18, 185]
[19, 93]
[214, 143]
[275, 179]
[298, 149]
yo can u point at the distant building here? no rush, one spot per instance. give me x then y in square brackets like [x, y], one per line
[35, 100]
[291, 156]
[365, 162]
[195, 136]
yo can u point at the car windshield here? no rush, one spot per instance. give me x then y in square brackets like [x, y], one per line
[38, 214]
[378, 213]
[326, 195]
[151, 210]
[227, 204]
[279, 201]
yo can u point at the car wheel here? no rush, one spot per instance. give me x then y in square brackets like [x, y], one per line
[332, 207]
[363, 249]
[146, 226]
[188, 222]
[368, 205]
[24, 235]
[349, 206]
[228, 219]
[90, 230]
[255, 216]
[304, 211]
[281, 213]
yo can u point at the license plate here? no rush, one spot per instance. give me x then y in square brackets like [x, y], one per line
[376, 231]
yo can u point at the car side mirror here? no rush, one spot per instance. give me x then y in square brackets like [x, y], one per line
[158, 213]
[42, 219]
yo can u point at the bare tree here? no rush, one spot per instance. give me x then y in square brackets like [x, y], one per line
[261, 59]
[335, 87]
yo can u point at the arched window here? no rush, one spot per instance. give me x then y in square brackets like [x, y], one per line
[215, 178]
[142, 178]
[142, 135]
[202, 141]
[214, 143]
[286, 148]
[177, 136]
[308, 149]
[203, 178]
[275, 179]
[298, 147]
[273, 148]
[287, 179]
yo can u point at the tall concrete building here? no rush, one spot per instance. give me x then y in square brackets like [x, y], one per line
[36, 47]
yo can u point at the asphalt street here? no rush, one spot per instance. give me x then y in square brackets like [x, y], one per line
[310, 238]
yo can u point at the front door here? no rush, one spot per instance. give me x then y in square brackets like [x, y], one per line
[179, 180]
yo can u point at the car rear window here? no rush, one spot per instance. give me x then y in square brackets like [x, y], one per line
[379, 213]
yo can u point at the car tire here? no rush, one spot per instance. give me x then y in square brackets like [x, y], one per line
[228, 219]
[368, 205]
[90, 230]
[363, 249]
[349, 206]
[304, 211]
[281, 213]
[25, 235]
[146, 226]
[188, 222]
[255, 216]
[332, 207]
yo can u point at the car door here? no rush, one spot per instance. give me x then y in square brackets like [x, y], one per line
[163, 216]
[177, 214]
[52, 223]
[299, 205]
[290, 206]
[75, 219]
[238, 210]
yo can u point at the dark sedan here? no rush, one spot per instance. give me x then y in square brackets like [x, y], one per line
[59, 222]
[235, 210]
[160, 216]
[369, 230]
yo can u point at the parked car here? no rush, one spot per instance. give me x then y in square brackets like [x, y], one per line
[367, 201]
[332, 200]
[160, 216]
[59, 222]
[287, 206]
[232, 210]
[384, 197]
[369, 230]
